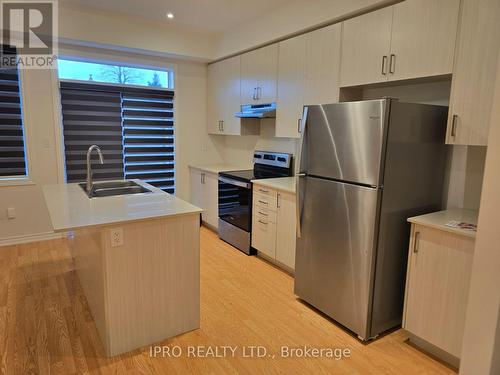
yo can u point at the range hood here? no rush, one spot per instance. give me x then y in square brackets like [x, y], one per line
[257, 111]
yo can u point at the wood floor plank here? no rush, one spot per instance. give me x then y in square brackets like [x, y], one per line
[46, 326]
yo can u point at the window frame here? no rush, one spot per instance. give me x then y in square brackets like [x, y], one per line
[170, 69]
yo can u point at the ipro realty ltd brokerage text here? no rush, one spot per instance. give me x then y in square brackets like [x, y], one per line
[247, 351]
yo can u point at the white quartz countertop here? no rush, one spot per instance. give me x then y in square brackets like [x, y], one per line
[216, 168]
[439, 219]
[70, 208]
[282, 183]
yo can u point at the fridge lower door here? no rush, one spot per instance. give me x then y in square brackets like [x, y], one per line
[334, 257]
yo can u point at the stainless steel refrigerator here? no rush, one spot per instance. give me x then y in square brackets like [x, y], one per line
[365, 167]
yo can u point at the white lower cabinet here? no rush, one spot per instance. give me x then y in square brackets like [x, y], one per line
[204, 194]
[285, 229]
[437, 287]
[273, 225]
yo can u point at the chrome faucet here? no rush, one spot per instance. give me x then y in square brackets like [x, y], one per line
[90, 183]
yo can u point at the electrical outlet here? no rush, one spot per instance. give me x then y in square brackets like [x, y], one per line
[116, 237]
[11, 213]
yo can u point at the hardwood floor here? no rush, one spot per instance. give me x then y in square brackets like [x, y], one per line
[46, 326]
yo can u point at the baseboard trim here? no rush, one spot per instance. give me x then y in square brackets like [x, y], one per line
[30, 238]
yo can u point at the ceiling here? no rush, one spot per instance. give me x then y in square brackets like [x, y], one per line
[209, 15]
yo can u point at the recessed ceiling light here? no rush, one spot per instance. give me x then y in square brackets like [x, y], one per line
[170, 15]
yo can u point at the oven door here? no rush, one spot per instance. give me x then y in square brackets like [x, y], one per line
[235, 202]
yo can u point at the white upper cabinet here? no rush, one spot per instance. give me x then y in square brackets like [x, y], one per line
[259, 70]
[366, 45]
[323, 65]
[308, 70]
[214, 98]
[423, 38]
[473, 84]
[291, 86]
[224, 97]
[412, 39]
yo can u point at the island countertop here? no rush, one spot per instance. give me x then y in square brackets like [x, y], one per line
[70, 208]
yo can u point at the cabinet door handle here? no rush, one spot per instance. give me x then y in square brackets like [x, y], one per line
[392, 64]
[262, 222]
[384, 65]
[259, 92]
[222, 125]
[416, 243]
[203, 178]
[278, 199]
[454, 125]
[254, 93]
[299, 122]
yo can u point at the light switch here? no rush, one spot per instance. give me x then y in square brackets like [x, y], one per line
[11, 213]
[116, 237]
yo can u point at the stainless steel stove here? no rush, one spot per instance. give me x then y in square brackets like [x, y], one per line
[235, 196]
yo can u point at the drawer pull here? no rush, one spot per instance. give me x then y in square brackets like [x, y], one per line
[384, 64]
[263, 202]
[392, 64]
[264, 191]
[262, 213]
[454, 125]
[416, 244]
[262, 222]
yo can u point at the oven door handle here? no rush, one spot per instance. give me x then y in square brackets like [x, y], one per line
[246, 185]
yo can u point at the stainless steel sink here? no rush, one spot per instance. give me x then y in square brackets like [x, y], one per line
[113, 188]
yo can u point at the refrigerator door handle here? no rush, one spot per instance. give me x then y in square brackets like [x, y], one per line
[298, 203]
[301, 173]
[302, 129]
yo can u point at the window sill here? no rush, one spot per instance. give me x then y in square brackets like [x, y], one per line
[16, 182]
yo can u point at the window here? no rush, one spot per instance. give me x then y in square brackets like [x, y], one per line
[116, 74]
[12, 150]
[134, 127]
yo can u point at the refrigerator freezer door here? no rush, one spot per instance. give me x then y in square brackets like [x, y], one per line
[345, 141]
[334, 258]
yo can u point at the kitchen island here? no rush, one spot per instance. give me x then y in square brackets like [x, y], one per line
[137, 258]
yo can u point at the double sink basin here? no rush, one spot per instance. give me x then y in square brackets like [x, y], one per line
[113, 188]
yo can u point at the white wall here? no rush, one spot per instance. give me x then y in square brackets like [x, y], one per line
[31, 213]
[119, 30]
[238, 150]
[481, 343]
[284, 21]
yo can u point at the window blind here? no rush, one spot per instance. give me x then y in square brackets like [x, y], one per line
[12, 152]
[133, 126]
[92, 117]
[148, 129]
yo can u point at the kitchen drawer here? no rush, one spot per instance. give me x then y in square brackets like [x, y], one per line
[264, 201]
[264, 236]
[264, 214]
[265, 191]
